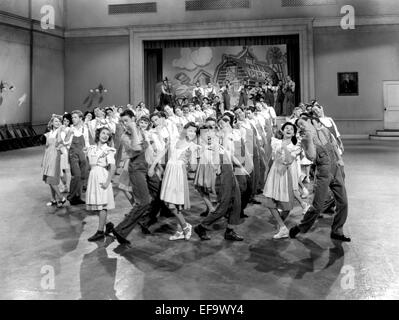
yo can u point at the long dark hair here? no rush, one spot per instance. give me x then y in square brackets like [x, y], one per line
[294, 139]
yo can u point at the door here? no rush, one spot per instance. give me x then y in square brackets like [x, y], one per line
[391, 105]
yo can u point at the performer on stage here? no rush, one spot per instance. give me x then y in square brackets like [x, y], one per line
[166, 97]
[226, 95]
[198, 93]
[289, 96]
[269, 93]
[244, 91]
[279, 98]
[210, 91]
[141, 111]
[218, 106]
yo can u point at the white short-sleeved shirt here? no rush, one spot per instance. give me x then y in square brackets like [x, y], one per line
[101, 156]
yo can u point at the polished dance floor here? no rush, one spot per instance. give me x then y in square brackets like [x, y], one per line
[45, 253]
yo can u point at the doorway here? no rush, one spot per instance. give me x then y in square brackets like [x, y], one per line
[391, 105]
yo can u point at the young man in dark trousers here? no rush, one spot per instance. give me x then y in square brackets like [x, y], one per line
[145, 189]
[229, 192]
[320, 147]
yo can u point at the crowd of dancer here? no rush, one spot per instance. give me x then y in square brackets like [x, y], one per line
[231, 155]
[279, 95]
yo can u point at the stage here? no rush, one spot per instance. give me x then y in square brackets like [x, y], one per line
[37, 241]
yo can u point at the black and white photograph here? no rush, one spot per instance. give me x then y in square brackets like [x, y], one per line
[199, 150]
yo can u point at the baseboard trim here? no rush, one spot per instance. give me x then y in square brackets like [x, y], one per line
[354, 136]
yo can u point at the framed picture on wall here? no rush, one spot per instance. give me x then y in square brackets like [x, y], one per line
[348, 83]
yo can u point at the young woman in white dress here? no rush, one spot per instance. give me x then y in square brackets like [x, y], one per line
[99, 194]
[279, 188]
[175, 190]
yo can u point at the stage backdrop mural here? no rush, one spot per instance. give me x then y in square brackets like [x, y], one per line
[185, 66]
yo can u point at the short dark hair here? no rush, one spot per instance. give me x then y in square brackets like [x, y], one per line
[68, 117]
[252, 109]
[237, 108]
[128, 113]
[92, 114]
[210, 119]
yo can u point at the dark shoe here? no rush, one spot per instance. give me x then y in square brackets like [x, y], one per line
[253, 201]
[201, 232]
[144, 229]
[99, 235]
[108, 228]
[119, 238]
[76, 202]
[340, 237]
[294, 231]
[232, 236]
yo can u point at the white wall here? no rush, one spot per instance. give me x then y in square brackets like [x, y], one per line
[21, 8]
[48, 77]
[373, 52]
[14, 68]
[91, 61]
[94, 13]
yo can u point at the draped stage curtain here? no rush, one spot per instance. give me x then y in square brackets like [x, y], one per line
[152, 75]
[292, 42]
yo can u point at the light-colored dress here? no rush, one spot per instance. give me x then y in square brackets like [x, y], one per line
[295, 167]
[174, 188]
[279, 184]
[51, 160]
[205, 176]
[96, 197]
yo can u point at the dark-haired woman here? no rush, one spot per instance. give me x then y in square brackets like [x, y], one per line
[65, 167]
[99, 194]
[175, 190]
[279, 191]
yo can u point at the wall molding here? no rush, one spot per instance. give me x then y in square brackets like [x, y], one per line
[359, 20]
[358, 119]
[20, 22]
[355, 136]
